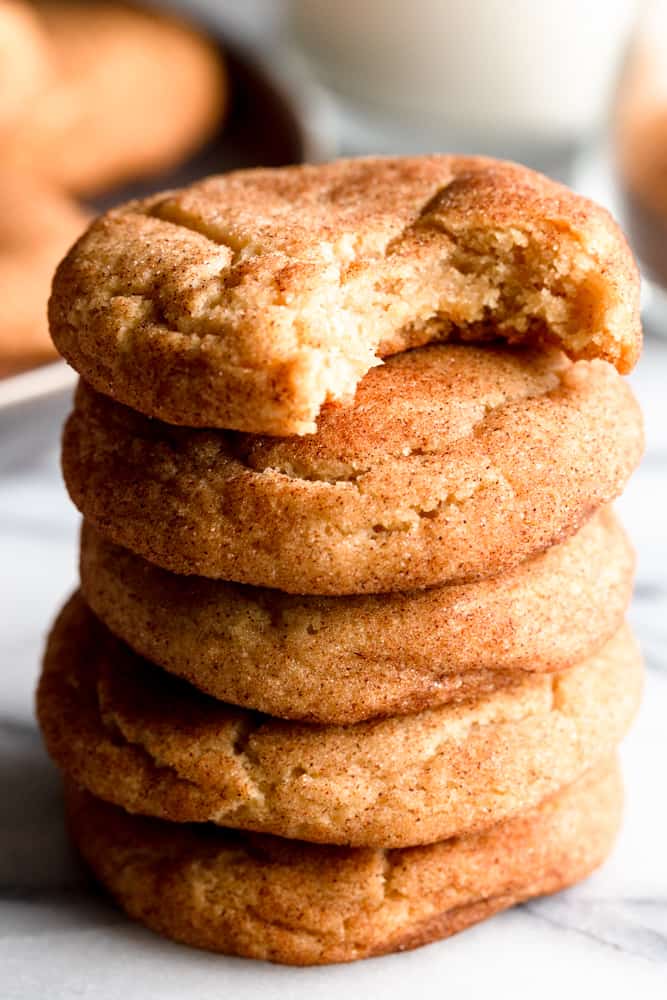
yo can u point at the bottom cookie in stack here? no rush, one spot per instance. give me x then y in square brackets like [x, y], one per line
[263, 897]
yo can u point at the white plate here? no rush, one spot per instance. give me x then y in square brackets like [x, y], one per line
[36, 384]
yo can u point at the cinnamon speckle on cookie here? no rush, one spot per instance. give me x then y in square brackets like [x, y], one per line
[248, 301]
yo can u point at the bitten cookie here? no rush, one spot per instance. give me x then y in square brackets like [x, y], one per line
[302, 904]
[37, 225]
[345, 659]
[131, 93]
[137, 737]
[249, 300]
[453, 463]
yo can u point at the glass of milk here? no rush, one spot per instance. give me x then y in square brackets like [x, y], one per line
[526, 80]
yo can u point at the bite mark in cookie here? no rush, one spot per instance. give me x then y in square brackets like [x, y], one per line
[250, 300]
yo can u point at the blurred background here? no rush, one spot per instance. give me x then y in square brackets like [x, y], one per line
[103, 101]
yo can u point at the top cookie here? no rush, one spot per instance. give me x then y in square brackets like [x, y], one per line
[247, 301]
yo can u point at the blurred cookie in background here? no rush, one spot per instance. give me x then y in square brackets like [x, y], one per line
[37, 225]
[640, 147]
[132, 92]
[24, 61]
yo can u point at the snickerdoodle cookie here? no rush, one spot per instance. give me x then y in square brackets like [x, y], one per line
[131, 92]
[135, 736]
[345, 659]
[455, 462]
[37, 225]
[303, 904]
[25, 61]
[249, 300]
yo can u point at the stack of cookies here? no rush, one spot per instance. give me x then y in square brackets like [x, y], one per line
[348, 668]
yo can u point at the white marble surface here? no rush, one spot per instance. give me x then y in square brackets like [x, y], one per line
[59, 938]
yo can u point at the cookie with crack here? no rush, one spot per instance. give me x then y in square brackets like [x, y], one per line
[453, 463]
[345, 659]
[305, 904]
[37, 225]
[131, 93]
[248, 301]
[137, 737]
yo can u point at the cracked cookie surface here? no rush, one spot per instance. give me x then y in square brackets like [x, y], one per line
[248, 301]
[345, 659]
[135, 736]
[25, 61]
[454, 463]
[303, 904]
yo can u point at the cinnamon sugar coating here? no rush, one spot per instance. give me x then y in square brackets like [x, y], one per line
[454, 463]
[345, 659]
[249, 300]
